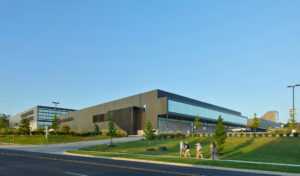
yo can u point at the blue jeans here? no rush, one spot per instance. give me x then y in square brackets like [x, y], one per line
[213, 155]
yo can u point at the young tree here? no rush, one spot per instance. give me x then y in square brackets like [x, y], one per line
[292, 123]
[256, 122]
[65, 128]
[220, 135]
[149, 132]
[55, 123]
[24, 127]
[111, 129]
[97, 129]
[197, 122]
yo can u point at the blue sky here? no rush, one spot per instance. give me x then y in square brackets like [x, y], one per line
[236, 54]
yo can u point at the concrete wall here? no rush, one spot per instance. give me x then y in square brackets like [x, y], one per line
[15, 120]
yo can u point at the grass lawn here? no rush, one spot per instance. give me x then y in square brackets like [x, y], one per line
[264, 149]
[52, 139]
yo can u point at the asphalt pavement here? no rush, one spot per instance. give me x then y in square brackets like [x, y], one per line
[20, 163]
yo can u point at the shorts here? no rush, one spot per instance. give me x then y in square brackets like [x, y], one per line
[187, 150]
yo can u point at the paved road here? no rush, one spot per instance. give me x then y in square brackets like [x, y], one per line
[60, 148]
[17, 162]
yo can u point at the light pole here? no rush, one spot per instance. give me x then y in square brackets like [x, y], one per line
[293, 114]
[55, 104]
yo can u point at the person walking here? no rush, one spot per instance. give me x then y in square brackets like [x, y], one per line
[199, 150]
[213, 150]
[187, 149]
[181, 150]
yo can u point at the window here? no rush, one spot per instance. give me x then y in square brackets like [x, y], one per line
[99, 118]
[192, 110]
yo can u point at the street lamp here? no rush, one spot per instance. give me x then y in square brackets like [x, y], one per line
[293, 114]
[55, 104]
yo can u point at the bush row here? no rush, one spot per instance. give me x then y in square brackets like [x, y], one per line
[262, 134]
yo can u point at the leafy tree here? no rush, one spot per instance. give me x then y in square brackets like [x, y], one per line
[24, 127]
[111, 129]
[149, 132]
[4, 118]
[220, 135]
[55, 123]
[97, 129]
[256, 122]
[65, 128]
[2, 123]
[197, 123]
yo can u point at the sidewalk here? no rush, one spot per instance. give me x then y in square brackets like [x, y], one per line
[166, 156]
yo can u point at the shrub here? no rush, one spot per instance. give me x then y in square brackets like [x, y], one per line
[241, 134]
[208, 135]
[274, 134]
[253, 134]
[104, 133]
[288, 133]
[260, 135]
[121, 133]
[236, 135]
[65, 128]
[196, 135]
[281, 134]
[296, 134]
[247, 135]
[179, 135]
[266, 134]
[230, 134]
[203, 134]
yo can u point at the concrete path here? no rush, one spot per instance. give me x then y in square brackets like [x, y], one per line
[168, 156]
[61, 147]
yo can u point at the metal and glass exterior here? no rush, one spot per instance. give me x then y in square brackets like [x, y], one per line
[39, 116]
[166, 112]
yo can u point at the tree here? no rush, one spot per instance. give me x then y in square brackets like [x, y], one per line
[149, 132]
[4, 118]
[24, 127]
[111, 129]
[197, 122]
[255, 123]
[220, 135]
[55, 123]
[97, 129]
[65, 128]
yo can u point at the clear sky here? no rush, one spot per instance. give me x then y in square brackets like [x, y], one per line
[237, 54]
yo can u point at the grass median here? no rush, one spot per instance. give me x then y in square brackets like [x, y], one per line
[264, 149]
[52, 139]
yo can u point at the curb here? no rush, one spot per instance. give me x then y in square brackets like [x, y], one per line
[186, 165]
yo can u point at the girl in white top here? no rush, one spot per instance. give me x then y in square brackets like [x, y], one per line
[181, 150]
[199, 150]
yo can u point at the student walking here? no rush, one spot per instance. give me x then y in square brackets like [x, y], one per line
[213, 150]
[199, 150]
[187, 149]
[181, 150]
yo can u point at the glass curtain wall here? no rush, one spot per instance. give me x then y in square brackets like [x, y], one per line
[46, 115]
[192, 110]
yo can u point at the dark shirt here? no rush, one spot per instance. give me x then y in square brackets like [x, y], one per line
[187, 146]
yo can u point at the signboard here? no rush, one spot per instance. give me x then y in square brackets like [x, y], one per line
[293, 112]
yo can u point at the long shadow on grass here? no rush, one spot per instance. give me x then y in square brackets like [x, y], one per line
[281, 150]
[243, 145]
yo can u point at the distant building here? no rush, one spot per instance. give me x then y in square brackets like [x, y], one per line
[39, 116]
[166, 111]
[270, 118]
